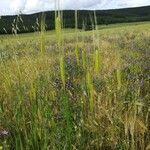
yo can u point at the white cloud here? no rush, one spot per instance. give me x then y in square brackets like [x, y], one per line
[11, 7]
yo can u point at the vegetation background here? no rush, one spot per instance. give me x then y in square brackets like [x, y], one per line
[30, 23]
[71, 89]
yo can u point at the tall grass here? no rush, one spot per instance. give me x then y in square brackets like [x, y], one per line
[97, 61]
[96, 99]
[58, 30]
[83, 58]
[118, 72]
[66, 112]
[62, 70]
[76, 31]
[90, 89]
[42, 33]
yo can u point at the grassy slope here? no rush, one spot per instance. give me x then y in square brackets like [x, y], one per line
[103, 29]
[40, 114]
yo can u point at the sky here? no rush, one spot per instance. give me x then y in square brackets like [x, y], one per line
[13, 7]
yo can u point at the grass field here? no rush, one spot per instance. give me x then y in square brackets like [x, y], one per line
[76, 90]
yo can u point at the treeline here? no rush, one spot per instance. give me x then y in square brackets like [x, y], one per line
[31, 23]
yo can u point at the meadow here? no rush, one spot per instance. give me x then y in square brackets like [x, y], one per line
[76, 90]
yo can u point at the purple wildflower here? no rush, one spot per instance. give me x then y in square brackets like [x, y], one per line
[3, 133]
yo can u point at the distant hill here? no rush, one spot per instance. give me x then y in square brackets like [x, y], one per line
[30, 23]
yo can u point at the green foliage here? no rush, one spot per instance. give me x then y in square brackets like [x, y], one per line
[91, 100]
